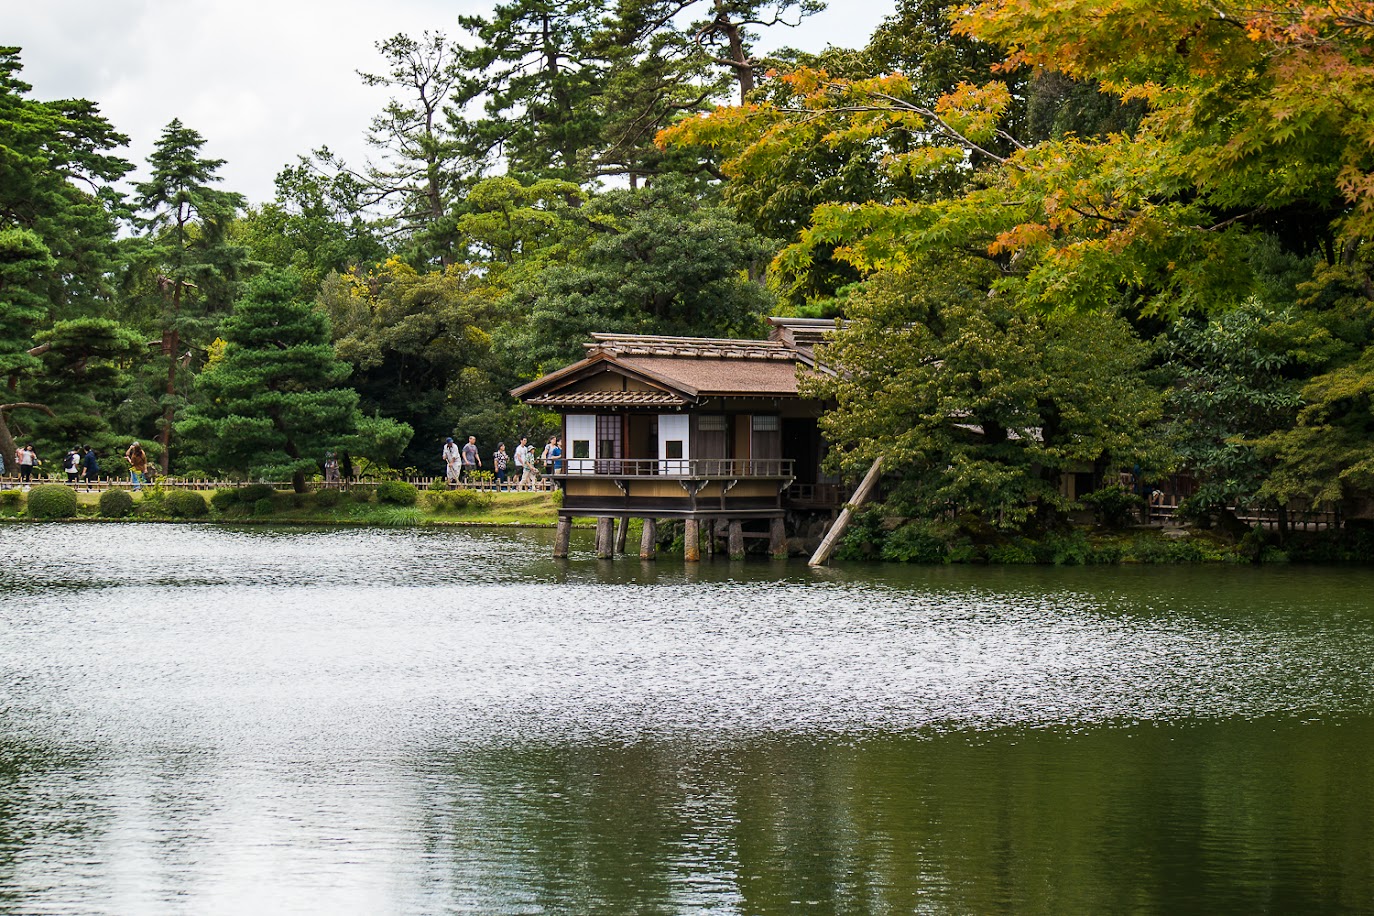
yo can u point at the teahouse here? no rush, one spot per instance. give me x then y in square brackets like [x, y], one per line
[700, 429]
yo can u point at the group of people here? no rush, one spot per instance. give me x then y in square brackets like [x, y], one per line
[80, 463]
[461, 463]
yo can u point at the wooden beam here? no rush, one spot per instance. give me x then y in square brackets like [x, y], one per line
[832, 537]
[648, 541]
[560, 540]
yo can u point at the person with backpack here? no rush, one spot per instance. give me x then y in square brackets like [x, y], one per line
[72, 465]
[92, 465]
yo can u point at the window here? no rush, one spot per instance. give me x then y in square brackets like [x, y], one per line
[766, 424]
[672, 449]
[581, 448]
[711, 423]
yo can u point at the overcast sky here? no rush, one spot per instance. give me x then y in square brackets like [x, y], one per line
[262, 81]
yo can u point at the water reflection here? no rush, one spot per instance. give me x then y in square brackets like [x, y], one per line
[406, 721]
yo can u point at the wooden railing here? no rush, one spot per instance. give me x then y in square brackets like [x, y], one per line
[686, 468]
[183, 483]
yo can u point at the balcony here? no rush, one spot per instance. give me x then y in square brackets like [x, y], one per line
[680, 468]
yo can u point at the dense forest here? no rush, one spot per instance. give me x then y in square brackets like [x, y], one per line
[1059, 234]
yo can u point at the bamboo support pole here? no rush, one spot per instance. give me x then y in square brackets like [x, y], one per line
[832, 537]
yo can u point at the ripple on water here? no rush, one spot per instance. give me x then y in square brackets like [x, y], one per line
[365, 642]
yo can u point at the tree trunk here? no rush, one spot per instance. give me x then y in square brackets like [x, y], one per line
[171, 343]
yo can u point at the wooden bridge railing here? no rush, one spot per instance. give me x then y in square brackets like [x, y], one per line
[183, 483]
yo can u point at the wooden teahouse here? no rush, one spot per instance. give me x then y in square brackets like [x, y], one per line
[710, 431]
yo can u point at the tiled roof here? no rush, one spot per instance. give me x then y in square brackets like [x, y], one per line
[609, 399]
[620, 345]
[722, 375]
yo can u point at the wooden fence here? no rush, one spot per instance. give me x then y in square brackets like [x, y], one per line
[541, 484]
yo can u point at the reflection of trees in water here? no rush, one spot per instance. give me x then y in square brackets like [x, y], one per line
[1206, 817]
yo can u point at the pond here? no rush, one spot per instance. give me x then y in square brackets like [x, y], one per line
[206, 720]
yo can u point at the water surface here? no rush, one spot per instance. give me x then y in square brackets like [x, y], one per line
[198, 720]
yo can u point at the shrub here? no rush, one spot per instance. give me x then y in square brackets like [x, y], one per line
[915, 542]
[397, 492]
[186, 504]
[1113, 506]
[1011, 555]
[250, 494]
[224, 497]
[52, 500]
[116, 504]
[264, 506]
[327, 499]
[460, 500]
[10, 499]
[437, 485]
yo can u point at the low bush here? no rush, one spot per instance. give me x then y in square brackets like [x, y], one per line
[10, 499]
[186, 504]
[1114, 506]
[52, 500]
[224, 498]
[437, 485]
[250, 494]
[1011, 554]
[116, 504]
[327, 499]
[916, 542]
[460, 500]
[264, 506]
[397, 493]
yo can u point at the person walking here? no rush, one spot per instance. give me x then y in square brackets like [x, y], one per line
[27, 459]
[331, 470]
[72, 465]
[499, 462]
[522, 460]
[92, 466]
[138, 465]
[556, 455]
[453, 461]
[472, 459]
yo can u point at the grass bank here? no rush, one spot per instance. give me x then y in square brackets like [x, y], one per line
[360, 507]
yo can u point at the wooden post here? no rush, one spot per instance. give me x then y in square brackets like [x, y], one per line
[777, 539]
[691, 541]
[622, 533]
[736, 541]
[832, 537]
[648, 541]
[560, 540]
[605, 537]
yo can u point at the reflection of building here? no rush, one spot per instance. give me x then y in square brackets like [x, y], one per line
[697, 429]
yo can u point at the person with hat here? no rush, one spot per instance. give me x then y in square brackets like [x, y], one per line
[452, 460]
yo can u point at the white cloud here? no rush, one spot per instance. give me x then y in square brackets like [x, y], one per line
[262, 80]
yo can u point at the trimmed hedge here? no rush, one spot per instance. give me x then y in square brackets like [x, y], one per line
[397, 492]
[116, 504]
[224, 497]
[250, 494]
[52, 500]
[186, 504]
[327, 499]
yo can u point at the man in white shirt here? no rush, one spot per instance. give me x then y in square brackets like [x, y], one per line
[522, 463]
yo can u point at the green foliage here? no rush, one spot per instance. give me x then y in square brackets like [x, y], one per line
[397, 493]
[186, 504]
[437, 485]
[10, 499]
[224, 498]
[328, 499]
[1114, 506]
[977, 404]
[917, 542]
[116, 503]
[459, 500]
[265, 506]
[253, 492]
[274, 397]
[52, 501]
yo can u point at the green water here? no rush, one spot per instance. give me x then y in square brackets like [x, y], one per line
[208, 721]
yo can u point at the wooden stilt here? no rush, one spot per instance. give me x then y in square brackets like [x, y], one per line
[736, 539]
[622, 534]
[777, 539]
[648, 541]
[561, 538]
[605, 538]
[691, 540]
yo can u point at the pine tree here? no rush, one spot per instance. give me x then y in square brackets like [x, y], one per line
[272, 399]
[186, 246]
